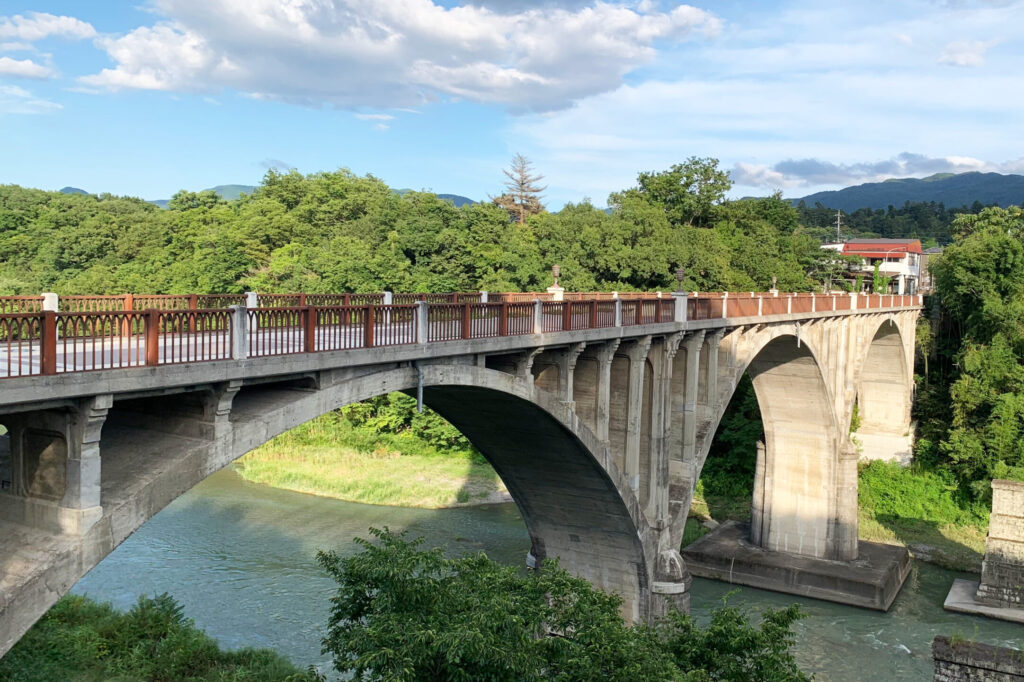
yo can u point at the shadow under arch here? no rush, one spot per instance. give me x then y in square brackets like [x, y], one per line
[573, 500]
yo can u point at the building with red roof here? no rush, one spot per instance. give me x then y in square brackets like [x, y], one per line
[897, 259]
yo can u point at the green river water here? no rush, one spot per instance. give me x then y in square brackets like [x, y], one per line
[240, 558]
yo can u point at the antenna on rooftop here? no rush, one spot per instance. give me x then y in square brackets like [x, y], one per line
[839, 225]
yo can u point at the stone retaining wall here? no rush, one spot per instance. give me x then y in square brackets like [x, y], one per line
[1002, 572]
[973, 662]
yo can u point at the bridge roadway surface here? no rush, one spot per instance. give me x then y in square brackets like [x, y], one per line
[604, 477]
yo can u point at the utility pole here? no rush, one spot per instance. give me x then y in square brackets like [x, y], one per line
[839, 224]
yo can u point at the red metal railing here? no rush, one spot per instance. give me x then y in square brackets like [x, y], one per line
[95, 338]
[20, 304]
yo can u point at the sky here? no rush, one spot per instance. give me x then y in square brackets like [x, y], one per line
[147, 97]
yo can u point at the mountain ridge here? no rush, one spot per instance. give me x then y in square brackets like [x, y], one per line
[952, 189]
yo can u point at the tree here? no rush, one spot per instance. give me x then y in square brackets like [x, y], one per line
[689, 192]
[522, 196]
[404, 613]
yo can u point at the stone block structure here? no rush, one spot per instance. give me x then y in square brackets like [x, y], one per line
[1002, 572]
[974, 662]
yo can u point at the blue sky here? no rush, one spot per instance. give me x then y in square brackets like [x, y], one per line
[148, 97]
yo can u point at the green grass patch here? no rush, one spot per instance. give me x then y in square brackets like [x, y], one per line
[80, 640]
[329, 456]
[924, 510]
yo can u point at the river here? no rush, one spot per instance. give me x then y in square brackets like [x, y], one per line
[240, 558]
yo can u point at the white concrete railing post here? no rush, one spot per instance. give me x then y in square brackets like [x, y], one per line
[239, 332]
[760, 306]
[389, 298]
[680, 309]
[538, 316]
[789, 304]
[483, 297]
[725, 304]
[422, 322]
[835, 298]
[853, 300]
[252, 302]
[51, 302]
[813, 303]
[618, 311]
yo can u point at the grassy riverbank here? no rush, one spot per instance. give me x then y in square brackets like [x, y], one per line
[901, 506]
[331, 457]
[80, 640]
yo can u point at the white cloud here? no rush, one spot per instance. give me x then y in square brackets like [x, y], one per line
[813, 172]
[15, 100]
[16, 47]
[374, 117]
[366, 53]
[754, 175]
[965, 53]
[38, 25]
[24, 68]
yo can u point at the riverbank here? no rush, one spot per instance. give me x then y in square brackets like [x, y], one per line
[350, 463]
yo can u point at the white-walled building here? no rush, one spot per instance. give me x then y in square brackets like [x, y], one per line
[899, 259]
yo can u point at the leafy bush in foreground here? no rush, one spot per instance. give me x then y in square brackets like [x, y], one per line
[403, 613]
[80, 640]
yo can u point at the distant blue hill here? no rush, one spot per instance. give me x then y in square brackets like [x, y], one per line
[226, 192]
[71, 190]
[952, 189]
[456, 199]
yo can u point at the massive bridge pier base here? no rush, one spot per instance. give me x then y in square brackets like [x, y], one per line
[600, 434]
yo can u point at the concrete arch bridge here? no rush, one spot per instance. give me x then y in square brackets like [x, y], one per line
[598, 413]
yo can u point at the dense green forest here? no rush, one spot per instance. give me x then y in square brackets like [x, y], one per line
[931, 222]
[332, 232]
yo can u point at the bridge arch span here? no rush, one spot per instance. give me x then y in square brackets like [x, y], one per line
[884, 380]
[575, 503]
[799, 503]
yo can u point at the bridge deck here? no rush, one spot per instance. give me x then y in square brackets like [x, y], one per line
[49, 342]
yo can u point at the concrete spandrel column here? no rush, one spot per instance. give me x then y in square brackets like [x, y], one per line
[568, 366]
[83, 469]
[636, 351]
[714, 342]
[55, 467]
[661, 428]
[694, 344]
[604, 388]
